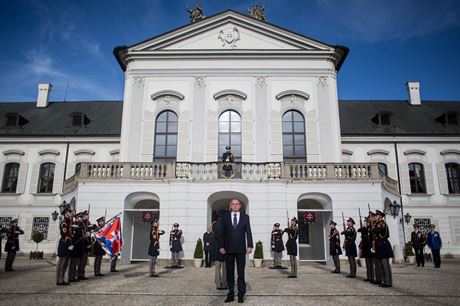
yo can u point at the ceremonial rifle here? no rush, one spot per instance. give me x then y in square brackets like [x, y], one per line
[360, 219]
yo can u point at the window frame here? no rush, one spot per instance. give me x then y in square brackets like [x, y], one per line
[453, 179]
[165, 157]
[229, 135]
[294, 158]
[7, 176]
[46, 178]
[417, 183]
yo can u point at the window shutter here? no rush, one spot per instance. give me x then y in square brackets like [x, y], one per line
[442, 178]
[22, 177]
[455, 230]
[429, 181]
[58, 177]
[405, 182]
[34, 178]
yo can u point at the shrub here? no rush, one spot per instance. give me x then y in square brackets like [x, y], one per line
[37, 237]
[198, 254]
[259, 252]
[408, 251]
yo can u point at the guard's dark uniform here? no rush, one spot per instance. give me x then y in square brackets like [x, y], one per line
[208, 244]
[175, 244]
[220, 276]
[154, 247]
[228, 158]
[77, 252]
[64, 246]
[365, 246]
[98, 251]
[12, 244]
[277, 245]
[86, 246]
[383, 251]
[418, 242]
[350, 247]
[291, 245]
[335, 249]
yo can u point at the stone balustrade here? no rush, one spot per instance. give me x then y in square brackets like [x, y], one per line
[240, 170]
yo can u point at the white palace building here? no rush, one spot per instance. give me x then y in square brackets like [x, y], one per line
[269, 93]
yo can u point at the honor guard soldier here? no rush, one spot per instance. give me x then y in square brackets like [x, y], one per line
[291, 245]
[65, 245]
[86, 245]
[154, 246]
[12, 244]
[277, 245]
[350, 246]
[228, 158]
[175, 244]
[383, 250]
[334, 246]
[418, 242]
[365, 246]
[77, 252]
[98, 250]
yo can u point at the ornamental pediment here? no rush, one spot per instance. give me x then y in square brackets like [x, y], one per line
[230, 31]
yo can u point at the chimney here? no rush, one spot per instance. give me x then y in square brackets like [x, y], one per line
[414, 93]
[44, 90]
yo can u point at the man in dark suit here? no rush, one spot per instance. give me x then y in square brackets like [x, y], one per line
[235, 231]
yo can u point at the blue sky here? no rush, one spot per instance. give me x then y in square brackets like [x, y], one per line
[71, 42]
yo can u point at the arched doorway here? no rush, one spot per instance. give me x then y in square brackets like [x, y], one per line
[221, 200]
[140, 208]
[314, 213]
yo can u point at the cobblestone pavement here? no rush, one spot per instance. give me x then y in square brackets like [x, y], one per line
[33, 283]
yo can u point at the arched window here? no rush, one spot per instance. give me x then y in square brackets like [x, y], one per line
[294, 137]
[165, 137]
[383, 169]
[10, 177]
[46, 178]
[77, 168]
[453, 177]
[417, 178]
[230, 133]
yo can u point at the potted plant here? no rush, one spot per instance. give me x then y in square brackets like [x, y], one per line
[37, 237]
[198, 254]
[409, 253]
[258, 254]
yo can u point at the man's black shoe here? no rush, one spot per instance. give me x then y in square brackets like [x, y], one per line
[63, 284]
[114, 271]
[292, 276]
[73, 280]
[240, 299]
[350, 276]
[229, 299]
[384, 285]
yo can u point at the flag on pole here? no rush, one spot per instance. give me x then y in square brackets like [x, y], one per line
[110, 238]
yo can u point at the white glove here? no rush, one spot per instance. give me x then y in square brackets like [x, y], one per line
[70, 248]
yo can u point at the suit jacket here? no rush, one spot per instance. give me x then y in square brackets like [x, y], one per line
[234, 240]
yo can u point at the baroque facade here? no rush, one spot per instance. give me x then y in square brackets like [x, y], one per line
[269, 93]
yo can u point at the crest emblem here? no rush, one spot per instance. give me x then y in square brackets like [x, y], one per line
[229, 37]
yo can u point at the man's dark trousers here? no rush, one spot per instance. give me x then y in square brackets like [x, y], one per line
[230, 266]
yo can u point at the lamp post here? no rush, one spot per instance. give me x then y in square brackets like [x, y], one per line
[407, 218]
[54, 215]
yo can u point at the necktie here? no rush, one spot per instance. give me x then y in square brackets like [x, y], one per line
[235, 221]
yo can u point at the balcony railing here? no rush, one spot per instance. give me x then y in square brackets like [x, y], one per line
[239, 170]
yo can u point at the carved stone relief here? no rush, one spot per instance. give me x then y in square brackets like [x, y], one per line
[229, 37]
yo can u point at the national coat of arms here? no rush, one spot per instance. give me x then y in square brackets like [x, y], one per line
[229, 37]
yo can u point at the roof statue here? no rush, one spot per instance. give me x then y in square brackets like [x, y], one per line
[196, 13]
[258, 12]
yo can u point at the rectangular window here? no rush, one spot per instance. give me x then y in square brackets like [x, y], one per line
[41, 224]
[5, 222]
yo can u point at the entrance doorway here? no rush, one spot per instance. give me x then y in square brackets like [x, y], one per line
[139, 210]
[313, 215]
[221, 200]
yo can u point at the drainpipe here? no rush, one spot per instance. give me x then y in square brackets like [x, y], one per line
[65, 166]
[400, 191]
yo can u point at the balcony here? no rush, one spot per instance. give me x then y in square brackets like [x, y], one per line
[240, 171]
